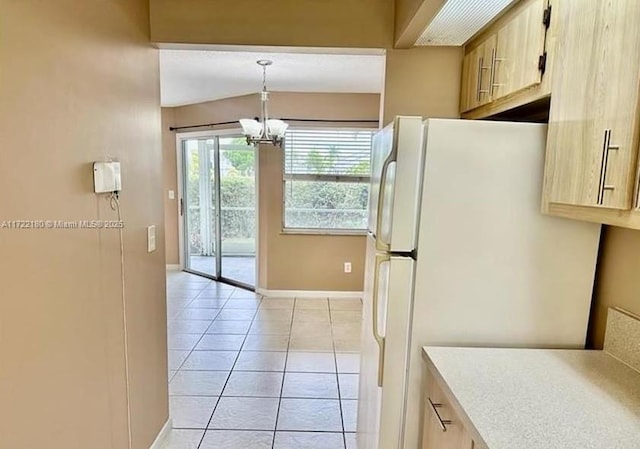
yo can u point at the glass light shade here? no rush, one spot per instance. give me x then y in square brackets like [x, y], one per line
[276, 128]
[251, 128]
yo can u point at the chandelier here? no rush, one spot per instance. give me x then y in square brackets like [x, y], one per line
[265, 130]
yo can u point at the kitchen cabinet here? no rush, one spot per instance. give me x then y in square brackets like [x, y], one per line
[504, 66]
[593, 123]
[519, 59]
[477, 74]
[470, 77]
[442, 427]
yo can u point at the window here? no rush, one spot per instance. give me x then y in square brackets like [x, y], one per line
[326, 179]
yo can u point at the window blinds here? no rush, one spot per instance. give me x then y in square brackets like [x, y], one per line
[328, 154]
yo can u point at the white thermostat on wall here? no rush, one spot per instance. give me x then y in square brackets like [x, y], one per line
[106, 177]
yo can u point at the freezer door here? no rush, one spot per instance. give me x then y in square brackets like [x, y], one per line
[393, 201]
[387, 305]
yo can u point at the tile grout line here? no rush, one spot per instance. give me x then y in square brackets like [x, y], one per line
[230, 371]
[284, 375]
[287, 352]
[205, 331]
[202, 335]
[335, 361]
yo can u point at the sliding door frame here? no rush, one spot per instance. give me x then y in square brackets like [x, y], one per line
[181, 204]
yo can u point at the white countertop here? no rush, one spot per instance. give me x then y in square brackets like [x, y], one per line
[543, 399]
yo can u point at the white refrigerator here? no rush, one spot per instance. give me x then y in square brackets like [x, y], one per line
[458, 253]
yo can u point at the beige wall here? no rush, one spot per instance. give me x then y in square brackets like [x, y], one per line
[423, 81]
[617, 280]
[302, 262]
[290, 262]
[79, 83]
[307, 23]
[169, 165]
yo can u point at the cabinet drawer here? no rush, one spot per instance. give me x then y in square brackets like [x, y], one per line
[443, 429]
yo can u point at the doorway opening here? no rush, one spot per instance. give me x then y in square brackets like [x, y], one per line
[218, 207]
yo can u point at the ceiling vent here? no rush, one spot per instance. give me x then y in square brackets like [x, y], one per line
[457, 21]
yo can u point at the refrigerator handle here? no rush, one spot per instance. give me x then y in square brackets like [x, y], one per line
[380, 245]
[380, 259]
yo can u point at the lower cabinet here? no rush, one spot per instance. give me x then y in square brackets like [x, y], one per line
[442, 429]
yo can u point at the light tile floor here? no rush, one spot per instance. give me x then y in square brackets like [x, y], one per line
[248, 372]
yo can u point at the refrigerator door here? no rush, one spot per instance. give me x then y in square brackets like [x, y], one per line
[393, 201]
[386, 308]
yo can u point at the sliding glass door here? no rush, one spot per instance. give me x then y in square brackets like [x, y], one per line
[219, 208]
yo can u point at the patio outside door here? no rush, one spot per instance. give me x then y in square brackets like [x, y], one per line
[219, 208]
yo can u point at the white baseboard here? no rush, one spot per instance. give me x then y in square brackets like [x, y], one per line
[307, 294]
[162, 436]
[171, 267]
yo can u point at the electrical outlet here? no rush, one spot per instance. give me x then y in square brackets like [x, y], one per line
[172, 195]
[347, 267]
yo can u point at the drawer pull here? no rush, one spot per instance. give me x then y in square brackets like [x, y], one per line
[443, 422]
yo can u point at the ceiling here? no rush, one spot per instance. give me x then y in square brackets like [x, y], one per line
[457, 21]
[195, 76]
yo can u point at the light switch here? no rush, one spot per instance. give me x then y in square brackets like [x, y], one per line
[172, 195]
[151, 238]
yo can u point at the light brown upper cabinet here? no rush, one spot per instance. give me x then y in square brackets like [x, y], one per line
[593, 123]
[519, 60]
[506, 59]
[477, 74]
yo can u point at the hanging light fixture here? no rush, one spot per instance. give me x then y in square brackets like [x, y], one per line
[266, 130]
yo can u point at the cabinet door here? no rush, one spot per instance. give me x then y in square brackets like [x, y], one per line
[593, 123]
[468, 91]
[476, 82]
[442, 428]
[520, 43]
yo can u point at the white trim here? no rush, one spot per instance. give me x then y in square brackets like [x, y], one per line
[325, 231]
[308, 293]
[162, 435]
[173, 267]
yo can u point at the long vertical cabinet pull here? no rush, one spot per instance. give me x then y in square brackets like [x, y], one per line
[380, 259]
[606, 147]
[494, 61]
[479, 85]
[481, 68]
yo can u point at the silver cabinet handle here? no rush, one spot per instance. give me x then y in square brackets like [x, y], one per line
[479, 84]
[443, 422]
[380, 259]
[604, 165]
[494, 61]
[481, 67]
